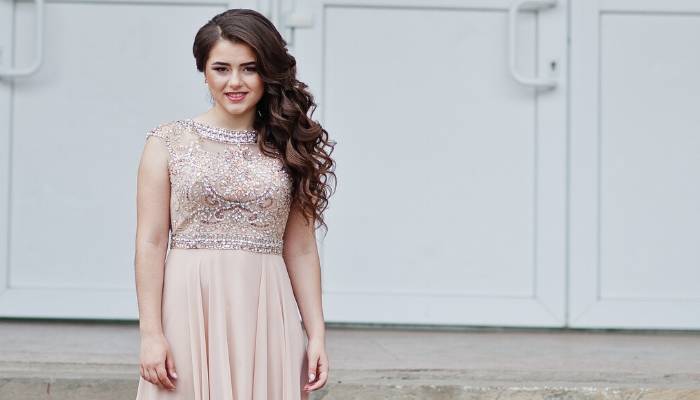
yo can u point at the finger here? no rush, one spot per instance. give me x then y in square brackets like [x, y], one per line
[151, 376]
[313, 362]
[170, 365]
[163, 377]
[322, 377]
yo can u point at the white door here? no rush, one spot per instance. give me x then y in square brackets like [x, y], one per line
[71, 137]
[635, 146]
[450, 206]
[453, 177]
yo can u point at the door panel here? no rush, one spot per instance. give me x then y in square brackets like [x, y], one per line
[451, 176]
[634, 191]
[76, 129]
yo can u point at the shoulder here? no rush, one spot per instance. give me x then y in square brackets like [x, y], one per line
[168, 134]
[165, 130]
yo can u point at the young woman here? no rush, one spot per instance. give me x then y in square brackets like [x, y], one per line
[236, 192]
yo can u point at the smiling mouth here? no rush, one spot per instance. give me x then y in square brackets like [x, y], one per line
[236, 96]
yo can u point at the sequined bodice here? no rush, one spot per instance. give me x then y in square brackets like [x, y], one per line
[223, 195]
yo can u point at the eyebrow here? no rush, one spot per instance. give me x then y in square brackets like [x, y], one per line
[228, 65]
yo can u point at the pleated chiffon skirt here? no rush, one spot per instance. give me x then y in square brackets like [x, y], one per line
[233, 326]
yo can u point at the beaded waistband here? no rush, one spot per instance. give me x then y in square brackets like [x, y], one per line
[226, 241]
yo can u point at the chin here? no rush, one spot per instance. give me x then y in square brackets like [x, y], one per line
[236, 111]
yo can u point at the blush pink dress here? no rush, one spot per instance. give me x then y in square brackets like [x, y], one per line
[228, 309]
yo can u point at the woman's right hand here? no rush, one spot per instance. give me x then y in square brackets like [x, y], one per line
[156, 361]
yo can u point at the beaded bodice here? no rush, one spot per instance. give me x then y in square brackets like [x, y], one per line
[224, 194]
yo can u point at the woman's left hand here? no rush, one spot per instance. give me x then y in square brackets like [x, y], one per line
[318, 364]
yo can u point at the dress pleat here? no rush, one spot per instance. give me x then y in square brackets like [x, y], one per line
[231, 320]
[260, 354]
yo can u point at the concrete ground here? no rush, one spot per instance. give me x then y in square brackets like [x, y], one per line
[76, 360]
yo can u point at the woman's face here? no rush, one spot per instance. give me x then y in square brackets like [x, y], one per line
[233, 80]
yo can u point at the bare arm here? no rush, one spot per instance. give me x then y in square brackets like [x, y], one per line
[152, 228]
[303, 265]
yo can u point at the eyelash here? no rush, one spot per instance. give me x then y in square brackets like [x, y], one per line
[223, 68]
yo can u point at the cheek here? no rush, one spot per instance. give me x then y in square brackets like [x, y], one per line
[258, 84]
[219, 83]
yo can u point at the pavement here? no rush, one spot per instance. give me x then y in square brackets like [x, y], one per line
[46, 359]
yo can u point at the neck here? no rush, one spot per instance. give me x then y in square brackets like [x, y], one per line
[225, 119]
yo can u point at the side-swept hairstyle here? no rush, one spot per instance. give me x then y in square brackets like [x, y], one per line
[283, 114]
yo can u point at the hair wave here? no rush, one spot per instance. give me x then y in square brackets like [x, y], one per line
[284, 113]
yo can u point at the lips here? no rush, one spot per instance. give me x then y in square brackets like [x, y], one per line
[236, 96]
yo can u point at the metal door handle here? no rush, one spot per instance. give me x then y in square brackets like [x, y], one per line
[513, 11]
[39, 5]
[287, 21]
[295, 20]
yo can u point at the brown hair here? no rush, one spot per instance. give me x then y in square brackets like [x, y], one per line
[281, 116]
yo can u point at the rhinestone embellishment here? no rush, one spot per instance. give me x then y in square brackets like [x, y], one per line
[222, 196]
[223, 134]
[226, 241]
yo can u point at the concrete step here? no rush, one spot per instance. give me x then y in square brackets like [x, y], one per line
[96, 360]
[58, 381]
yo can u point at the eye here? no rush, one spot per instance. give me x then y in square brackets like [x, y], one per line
[250, 68]
[219, 68]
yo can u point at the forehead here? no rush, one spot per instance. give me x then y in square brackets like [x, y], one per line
[229, 52]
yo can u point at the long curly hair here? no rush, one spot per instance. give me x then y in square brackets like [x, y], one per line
[284, 114]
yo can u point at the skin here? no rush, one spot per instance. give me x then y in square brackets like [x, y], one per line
[300, 251]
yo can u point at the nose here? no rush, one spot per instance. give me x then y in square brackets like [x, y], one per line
[235, 80]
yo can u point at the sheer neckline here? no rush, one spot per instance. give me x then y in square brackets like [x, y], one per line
[223, 134]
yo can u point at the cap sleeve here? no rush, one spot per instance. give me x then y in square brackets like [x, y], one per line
[162, 131]
[159, 131]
